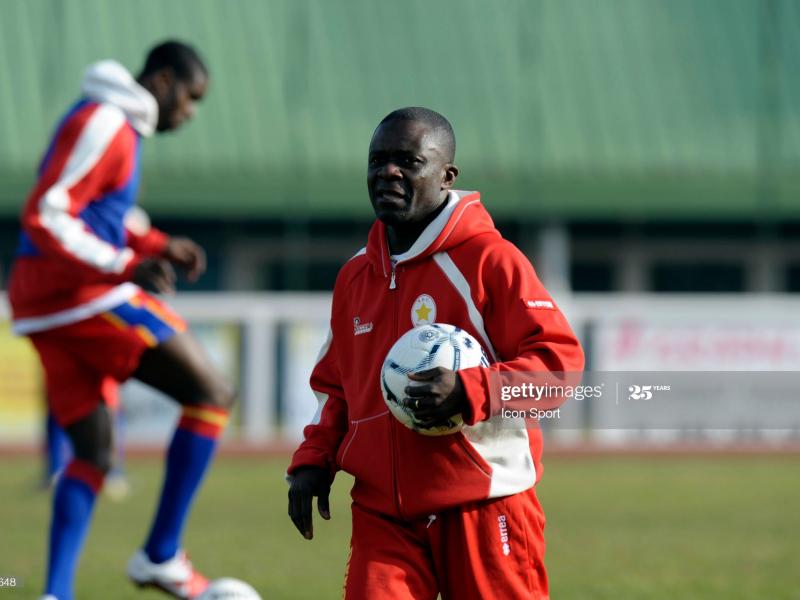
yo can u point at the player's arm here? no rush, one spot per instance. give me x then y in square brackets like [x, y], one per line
[313, 465]
[148, 241]
[89, 158]
[527, 330]
[141, 236]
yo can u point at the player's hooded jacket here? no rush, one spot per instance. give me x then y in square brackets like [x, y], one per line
[460, 271]
[75, 253]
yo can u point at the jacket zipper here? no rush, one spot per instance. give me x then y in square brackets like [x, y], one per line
[393, 422]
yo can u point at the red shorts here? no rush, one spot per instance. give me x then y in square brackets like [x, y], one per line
[483, 551]
[85, 361]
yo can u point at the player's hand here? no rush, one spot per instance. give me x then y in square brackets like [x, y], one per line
[155, 275]
[186, 255]
[308, 482]
[439, 396]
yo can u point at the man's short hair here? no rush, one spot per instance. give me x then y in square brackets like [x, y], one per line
[433, 119]
[182, 58]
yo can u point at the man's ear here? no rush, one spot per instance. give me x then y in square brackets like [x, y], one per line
[450, 175]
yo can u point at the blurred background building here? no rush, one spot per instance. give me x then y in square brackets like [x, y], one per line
[643, 153]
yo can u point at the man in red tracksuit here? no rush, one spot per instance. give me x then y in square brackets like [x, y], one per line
[455, 515]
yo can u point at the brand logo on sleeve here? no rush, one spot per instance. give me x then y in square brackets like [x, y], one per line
[538, 304]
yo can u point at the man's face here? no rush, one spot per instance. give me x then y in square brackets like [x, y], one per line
[407, 174]
[177, 98]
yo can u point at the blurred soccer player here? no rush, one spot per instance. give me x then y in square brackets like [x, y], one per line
[455, 515]
[78, 289]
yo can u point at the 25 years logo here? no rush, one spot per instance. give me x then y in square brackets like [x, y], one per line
[645, 392]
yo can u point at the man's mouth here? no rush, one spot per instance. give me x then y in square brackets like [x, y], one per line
[389, 197]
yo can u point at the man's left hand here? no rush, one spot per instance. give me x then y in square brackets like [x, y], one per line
[188, 256]
[439, 396]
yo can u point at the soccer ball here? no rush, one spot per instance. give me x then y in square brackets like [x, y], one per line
[425, 347]
[228, 588]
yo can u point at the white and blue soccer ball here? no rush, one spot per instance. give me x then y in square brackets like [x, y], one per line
[421, 348]
[228, 588]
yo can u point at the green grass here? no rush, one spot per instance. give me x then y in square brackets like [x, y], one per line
[673, 528]
[618, 528]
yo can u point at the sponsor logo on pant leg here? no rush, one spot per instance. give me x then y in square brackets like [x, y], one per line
[502, 524]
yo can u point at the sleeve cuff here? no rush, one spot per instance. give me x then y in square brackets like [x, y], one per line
[475, 382]
[308, 457]
[158, 240]
[154, 243]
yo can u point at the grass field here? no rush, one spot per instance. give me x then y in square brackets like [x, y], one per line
[618, 528]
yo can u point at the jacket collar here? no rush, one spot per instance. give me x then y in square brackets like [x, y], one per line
[440, 234]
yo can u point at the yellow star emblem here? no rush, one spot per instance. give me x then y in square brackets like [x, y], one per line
[423, 312]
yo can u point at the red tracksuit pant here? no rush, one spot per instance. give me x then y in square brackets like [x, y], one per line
[483, 551]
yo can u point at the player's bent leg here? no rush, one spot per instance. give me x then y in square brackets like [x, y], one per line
[492, 550]
[74, 498]
[389, 560]
[179, 367]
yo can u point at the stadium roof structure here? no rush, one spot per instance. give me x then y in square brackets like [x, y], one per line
[625, 109]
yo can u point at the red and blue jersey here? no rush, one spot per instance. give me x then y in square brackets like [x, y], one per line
[74, 250]
[105, 215]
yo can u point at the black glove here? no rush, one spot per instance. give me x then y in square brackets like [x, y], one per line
[308, 482]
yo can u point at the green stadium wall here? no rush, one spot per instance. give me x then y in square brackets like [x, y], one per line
[623, 109]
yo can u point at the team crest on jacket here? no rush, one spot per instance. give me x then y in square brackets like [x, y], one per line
[423, 311]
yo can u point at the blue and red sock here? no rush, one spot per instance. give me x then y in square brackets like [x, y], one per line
[73, 503]
[188, 457]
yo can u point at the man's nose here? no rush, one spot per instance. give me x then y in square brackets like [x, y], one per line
[390, 170]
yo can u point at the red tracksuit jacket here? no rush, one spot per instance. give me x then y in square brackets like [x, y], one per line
[460, 271]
